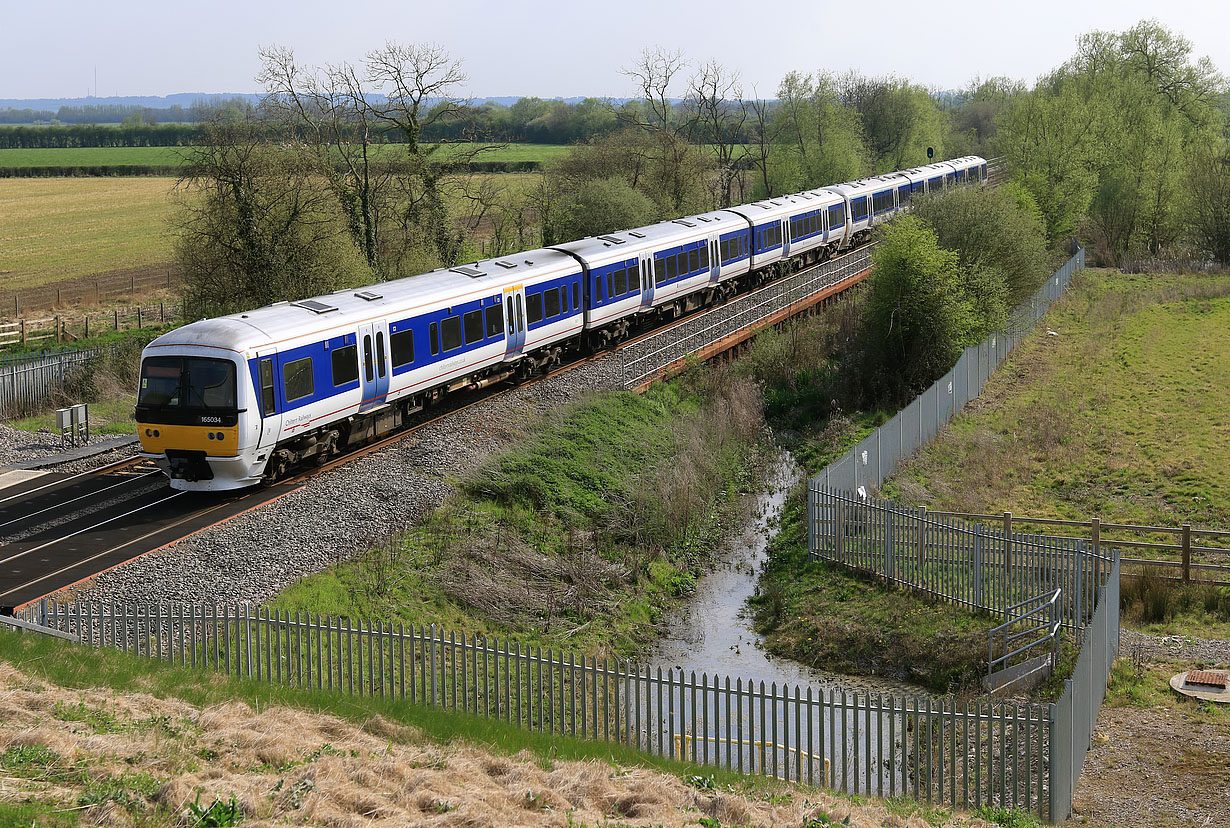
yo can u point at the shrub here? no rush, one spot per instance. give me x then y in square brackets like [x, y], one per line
[993, 230]
[915, 317]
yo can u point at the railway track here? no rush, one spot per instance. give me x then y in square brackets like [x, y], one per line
[59, 530]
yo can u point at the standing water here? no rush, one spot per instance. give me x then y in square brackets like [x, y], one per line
[711, 640]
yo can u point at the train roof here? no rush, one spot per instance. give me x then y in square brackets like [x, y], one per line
[600, 250]
[344, 309]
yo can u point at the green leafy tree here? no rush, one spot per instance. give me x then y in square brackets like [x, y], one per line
[990, 233]
[599, 206]
[916, 317]
[1208, 206]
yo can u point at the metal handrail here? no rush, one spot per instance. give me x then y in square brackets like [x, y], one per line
[1048, 602]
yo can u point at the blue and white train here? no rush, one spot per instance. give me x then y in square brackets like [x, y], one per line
[235, 401]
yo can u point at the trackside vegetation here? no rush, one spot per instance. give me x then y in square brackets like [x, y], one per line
[830, 379]
[582, 534]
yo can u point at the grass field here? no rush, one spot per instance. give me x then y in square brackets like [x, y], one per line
[53, 229]
[1117, 406]
[58, 229]
[174, 156]
[1123, 413]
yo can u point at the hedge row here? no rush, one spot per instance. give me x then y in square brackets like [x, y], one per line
[114, 170]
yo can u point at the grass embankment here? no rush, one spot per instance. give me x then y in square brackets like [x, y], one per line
[829, 617]
[1122, 413]
[582, 535]
[98, 737]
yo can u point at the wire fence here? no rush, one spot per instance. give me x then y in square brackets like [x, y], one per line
[964, 754]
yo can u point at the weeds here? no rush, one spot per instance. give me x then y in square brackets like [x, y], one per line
[217, 814]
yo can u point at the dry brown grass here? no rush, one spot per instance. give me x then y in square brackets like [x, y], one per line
[285, 765]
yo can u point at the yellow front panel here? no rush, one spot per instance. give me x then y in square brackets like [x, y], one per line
[189, 438]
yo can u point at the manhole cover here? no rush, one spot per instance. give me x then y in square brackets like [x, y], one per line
[1207, 677]
[1207, 685]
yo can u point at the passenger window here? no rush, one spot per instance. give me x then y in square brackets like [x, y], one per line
[533, 307]
[610, 284]
[401, 347]
[576, 295]
[450, 333]
[433, 337]
[493, 320]
[473, 326]
[551, 300]
[621, 282]
[693, 260]
[268, 402]
[297, 379]
[367, 358]
[345, 364]
[683, 264]
[380, 369]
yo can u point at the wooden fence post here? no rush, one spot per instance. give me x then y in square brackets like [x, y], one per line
[58, 331]
[23, 331]
[1187, 552]
[87, 326]
[1095, 535]
[116, 315]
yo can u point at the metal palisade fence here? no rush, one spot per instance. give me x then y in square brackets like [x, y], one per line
[971, 564]
[870, 462]
[884, 744]
[976, 565]
[28, 380]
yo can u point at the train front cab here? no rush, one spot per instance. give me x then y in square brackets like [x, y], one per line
[193, 419]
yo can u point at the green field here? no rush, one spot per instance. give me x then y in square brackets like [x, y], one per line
[58, 229]
[174, 156]
[1123, 412]
[1117, 406]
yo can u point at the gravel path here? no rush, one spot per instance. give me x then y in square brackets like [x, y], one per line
[1174, 648]
[26, 445]
[255, 555]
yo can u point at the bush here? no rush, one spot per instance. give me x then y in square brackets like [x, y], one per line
[602, 206]
[997, 230]
[916, 318]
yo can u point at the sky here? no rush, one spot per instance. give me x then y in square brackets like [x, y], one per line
[561, 48]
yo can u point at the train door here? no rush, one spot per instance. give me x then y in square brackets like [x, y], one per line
[647, 281]
[715, 262]
[270, 418]
[785, 225]
[373, 365]
[514, 320]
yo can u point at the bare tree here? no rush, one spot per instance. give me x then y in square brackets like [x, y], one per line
[678, 165]
[715, 96]
[419, 81]
[328, 106]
